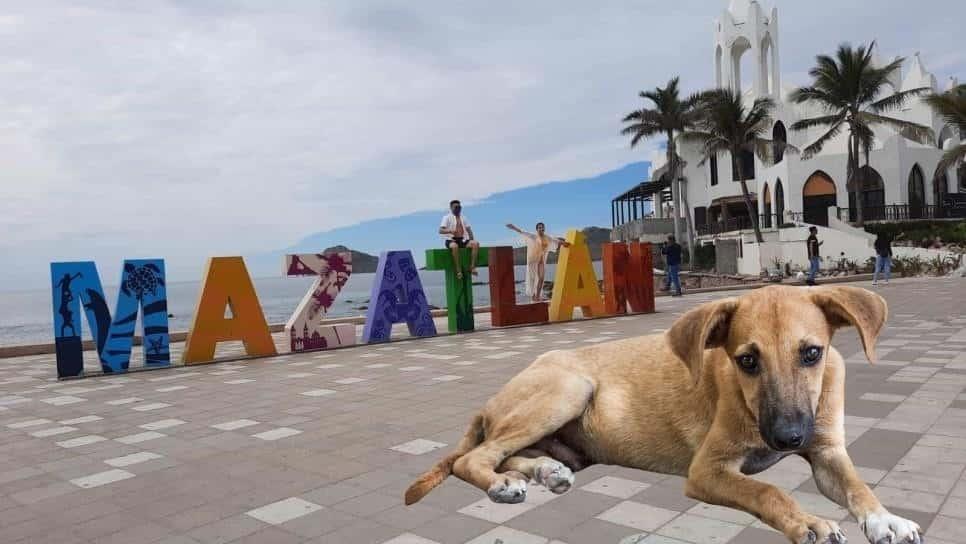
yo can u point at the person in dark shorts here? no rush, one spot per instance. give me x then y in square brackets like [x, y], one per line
[457, 233]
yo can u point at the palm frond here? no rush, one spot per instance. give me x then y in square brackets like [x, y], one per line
[909, 130]
[816, 147]
[814, 95]
[824, 121]
[951, 106]
[765, 149]
[896, 101]
[951, 158]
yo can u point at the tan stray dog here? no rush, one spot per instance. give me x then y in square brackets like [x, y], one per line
[764, 383]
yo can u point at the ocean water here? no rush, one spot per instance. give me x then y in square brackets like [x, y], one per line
[26, 317]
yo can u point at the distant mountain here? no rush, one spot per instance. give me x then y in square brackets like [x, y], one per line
[562, 205]
[595, 237]
[362, 263]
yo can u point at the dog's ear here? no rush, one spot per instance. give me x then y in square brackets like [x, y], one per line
[704, 327]
[862, 308]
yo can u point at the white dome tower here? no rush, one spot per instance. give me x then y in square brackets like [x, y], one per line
[742, 30]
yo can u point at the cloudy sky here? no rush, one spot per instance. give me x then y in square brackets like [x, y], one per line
[191, 128]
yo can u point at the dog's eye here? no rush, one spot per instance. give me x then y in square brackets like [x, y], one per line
[748, 363]
[811, 355]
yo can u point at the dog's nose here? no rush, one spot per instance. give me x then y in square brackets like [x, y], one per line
[789, 437]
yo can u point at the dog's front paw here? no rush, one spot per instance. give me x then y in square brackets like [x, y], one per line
[555, 476]
[508, 490]
[885, 528]
[820, 531]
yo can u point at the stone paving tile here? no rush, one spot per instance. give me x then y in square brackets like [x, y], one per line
[162, 457]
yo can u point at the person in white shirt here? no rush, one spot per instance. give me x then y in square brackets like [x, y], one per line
[457, 232]
[539, 246]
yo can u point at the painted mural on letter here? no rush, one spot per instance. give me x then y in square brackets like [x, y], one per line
[306, 329]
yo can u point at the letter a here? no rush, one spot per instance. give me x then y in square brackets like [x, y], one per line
[575, 283]
[227, 283]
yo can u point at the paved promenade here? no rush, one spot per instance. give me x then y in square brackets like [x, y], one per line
[318, 448]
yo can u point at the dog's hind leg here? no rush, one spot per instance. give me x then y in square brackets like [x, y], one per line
[545, 470]
[533, 405]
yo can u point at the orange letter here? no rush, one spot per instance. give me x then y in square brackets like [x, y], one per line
[227, 283]
[628, 277]
[504, 310]
[575, 283]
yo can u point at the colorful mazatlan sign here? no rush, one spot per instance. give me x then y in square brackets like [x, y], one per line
[397, 297]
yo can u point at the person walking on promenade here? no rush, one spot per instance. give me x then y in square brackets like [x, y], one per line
[539, 246]
[814, 259]
[672, 259]
[883, 259]
[457, 233]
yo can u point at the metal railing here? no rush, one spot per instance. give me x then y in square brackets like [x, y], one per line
[771, 221]
[902, 212]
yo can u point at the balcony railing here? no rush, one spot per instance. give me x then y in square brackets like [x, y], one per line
[732, 224]
[902, 212]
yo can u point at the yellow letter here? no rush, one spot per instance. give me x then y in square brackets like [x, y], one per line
[575, 283]
[227, 283]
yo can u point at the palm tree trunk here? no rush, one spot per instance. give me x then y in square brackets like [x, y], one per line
[682, 194]
[856, 180]
[752, 214]
[690, 223]
[675, 189]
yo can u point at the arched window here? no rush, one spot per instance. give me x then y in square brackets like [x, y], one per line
[779, 202]
[765, 66]
[818, 194]
[714, 168]
[940, 188]
[780, 137]
[747, 164]
[766, 207]
[917, 192]
[873, 195]
[717, 67]
[738, 49]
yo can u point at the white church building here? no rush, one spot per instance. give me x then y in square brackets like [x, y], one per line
[899, 185]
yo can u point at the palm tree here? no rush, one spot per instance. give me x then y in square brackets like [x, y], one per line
[849, 90]
[951, 106]
[726, 125]
[670, 116]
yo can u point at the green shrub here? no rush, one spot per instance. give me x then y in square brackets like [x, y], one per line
[704, 257]
[919, 231]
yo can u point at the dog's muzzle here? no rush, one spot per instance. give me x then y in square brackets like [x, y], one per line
[787, 432]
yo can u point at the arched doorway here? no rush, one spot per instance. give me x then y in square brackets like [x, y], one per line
[766, 207]
[779, 202]
[780, 137]
[940, 188]
[817, 195]
[873, 195]
[917, 193]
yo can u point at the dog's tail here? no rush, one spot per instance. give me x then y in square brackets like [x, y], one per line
[435, 476]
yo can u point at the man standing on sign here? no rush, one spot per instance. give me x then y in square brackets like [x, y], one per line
[539, 246]
[458, 233]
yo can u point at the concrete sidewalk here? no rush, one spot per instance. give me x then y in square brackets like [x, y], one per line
[319, 447]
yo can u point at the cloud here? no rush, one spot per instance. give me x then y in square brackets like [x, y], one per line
[188, 129]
